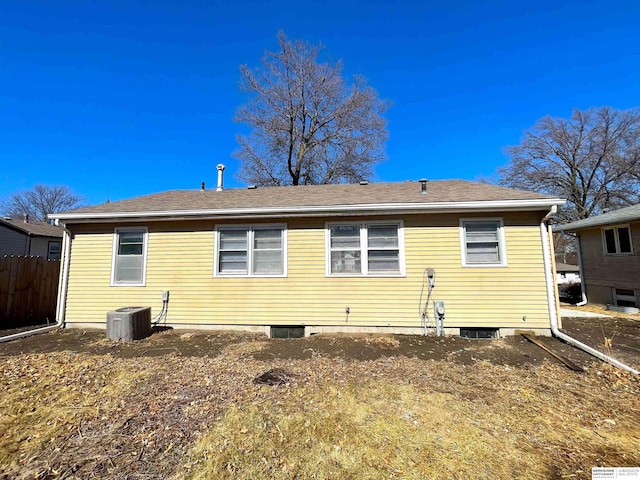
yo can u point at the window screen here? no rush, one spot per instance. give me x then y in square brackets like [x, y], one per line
[128, 264]
[364, 249]
[251, 250]
[482, 242]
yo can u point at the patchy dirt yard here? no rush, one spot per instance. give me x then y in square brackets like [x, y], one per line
[185, 405]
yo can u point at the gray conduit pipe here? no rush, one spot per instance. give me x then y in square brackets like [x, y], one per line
[62, 295]
[551, 300]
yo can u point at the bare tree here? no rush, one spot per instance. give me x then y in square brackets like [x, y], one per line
[40, 202]
[308, 126]
[591, 159]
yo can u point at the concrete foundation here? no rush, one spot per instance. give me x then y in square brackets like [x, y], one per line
[319, 329]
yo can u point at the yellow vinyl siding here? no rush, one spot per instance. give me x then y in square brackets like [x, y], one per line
[181, 260]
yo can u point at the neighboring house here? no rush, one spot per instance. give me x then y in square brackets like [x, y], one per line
[23, 237]
[566, 273]
[610, 261]
[319, 258]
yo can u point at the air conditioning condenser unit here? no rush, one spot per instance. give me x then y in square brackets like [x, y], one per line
[129, 323]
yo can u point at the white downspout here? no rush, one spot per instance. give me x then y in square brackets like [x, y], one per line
[551, 300]
[581, 271]
[62, 295]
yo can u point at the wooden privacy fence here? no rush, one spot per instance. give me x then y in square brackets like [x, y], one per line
[28, 291]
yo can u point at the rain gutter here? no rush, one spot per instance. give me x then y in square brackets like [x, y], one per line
[311, 210]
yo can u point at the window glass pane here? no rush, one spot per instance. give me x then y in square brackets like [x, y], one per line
[610, 240]
[624, 239]
[128, 269]
[384, 261]
[54, 250]
[483, 253]
[267, 262]
[345, 236]
[482, 242]
[271, 239]
[345, 262]
[482, 231]
[233, 262]
[233, 239]
[130, 243]
[383, 236]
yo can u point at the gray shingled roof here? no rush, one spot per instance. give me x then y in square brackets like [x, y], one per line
[623, 215]
[40, 229]
[299, 198]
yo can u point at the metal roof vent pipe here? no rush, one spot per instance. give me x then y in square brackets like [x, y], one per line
[423, 185]
[220, 168]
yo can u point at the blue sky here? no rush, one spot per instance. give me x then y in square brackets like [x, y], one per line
[118, 99]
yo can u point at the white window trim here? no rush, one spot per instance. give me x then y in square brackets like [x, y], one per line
[616, 237]
[250, 228]
[145, 240]
[365, 250]
[502, 246]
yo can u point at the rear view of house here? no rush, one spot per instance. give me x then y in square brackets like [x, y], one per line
[610, 260]
[374, 257]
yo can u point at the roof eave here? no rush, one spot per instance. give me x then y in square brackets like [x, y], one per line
[24, 231]
[574, 228]
[314, 211]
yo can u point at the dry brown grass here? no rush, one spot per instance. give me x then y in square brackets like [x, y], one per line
[601, 309]
[501, 425]
[95, 416]
[46, 396]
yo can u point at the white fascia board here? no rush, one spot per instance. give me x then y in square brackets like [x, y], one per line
[316, 211]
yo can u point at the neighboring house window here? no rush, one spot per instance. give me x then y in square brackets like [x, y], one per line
[373, 248]
[251, 251]
[129, 256]
[482, 243]
[623, 297]
[54, 250]
[617, 240]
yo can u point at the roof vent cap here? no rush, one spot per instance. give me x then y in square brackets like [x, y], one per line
[252, 187]
[364, 182]
[423, 185]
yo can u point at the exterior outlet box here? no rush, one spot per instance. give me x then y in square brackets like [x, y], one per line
[165, 295]
[129, 323]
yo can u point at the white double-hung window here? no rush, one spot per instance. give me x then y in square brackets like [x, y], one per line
[371, 248]
[254, 250]
[482, 243]
[617, 240]
[129, 256]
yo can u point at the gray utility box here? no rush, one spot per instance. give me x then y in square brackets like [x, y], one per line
[129, 323]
